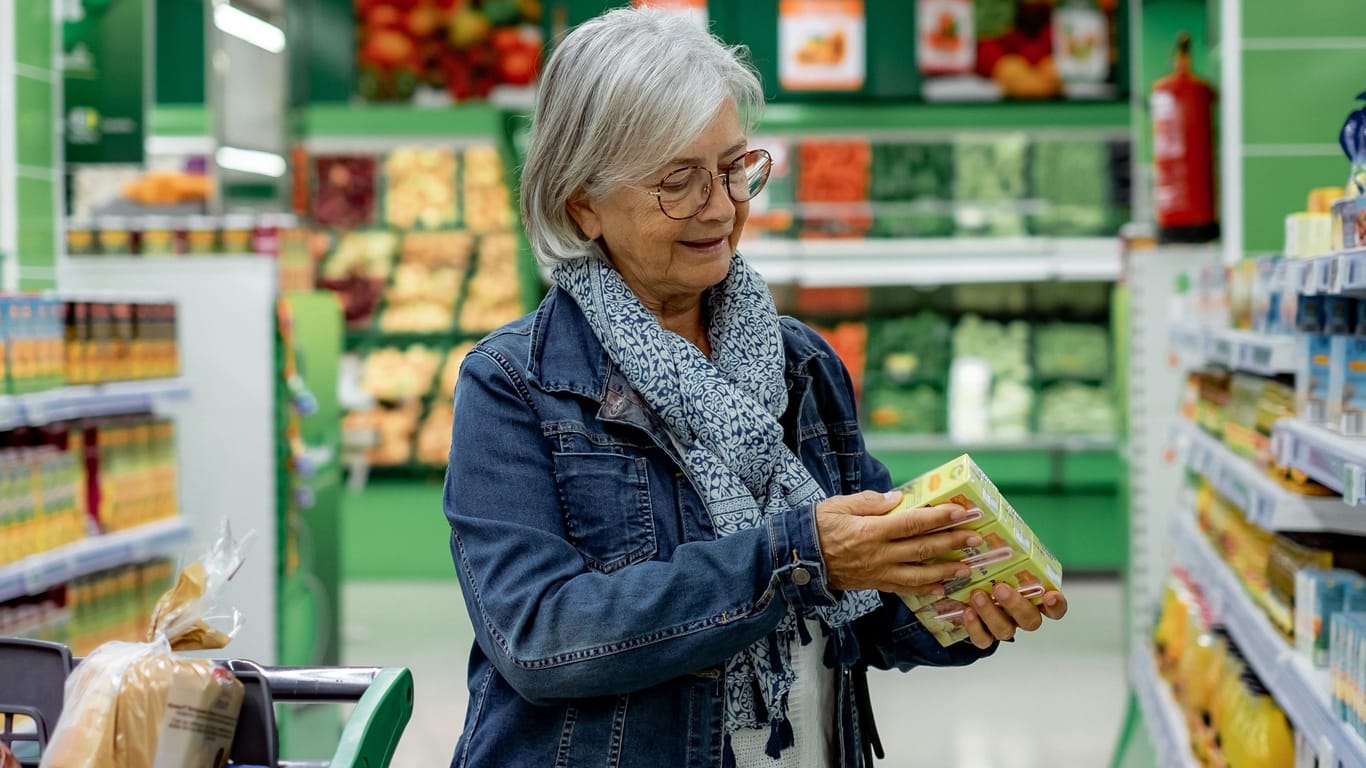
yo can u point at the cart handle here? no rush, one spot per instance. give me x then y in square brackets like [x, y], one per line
[375, 725]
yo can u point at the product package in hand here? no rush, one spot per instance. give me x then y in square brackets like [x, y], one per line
[1010, 553]
[140, 705]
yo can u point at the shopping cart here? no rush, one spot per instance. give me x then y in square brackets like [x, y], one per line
[33, 673]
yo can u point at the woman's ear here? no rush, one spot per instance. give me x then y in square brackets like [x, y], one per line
[581, 210]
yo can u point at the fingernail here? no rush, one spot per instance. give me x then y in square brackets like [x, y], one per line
[1002, 591]
[962, 573]
[960, 514]
[892, 496]
[974, 541]
[1050, 601]
[979, 599]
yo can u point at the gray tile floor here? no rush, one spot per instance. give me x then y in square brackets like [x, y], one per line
[1052, 700]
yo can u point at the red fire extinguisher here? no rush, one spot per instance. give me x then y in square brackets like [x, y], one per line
[1183, 153]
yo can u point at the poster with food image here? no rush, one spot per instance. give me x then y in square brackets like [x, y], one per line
[822, 45]
[696, 10]
[984, 50]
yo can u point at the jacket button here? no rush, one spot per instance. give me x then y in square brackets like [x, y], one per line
[800, 576]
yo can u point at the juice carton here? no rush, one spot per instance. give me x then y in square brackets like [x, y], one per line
[1321, 593]
[1010, 552]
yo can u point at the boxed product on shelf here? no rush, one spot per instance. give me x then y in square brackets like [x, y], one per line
[1347, 669]
[493, 294]
[1321, 594]
[109, 341]
[131, 471]
[419, 188]
[1010, 552]
[1349, 223]
[33, 341]
[40, 507]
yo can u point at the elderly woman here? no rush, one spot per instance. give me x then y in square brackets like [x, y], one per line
[670, 539]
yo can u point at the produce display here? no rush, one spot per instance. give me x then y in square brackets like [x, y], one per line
[494, 293]
[419, 188]
[434, 438]
[1071, 408]
[460, 50]
[982, 185]
[450, 370]
[393, 428]
[391, 375]
[1071, 350]
[345, 190]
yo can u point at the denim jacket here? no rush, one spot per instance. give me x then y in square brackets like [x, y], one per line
[604, 606]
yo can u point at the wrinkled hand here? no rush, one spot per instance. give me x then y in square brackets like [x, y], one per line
[987, 621]
[865, 548]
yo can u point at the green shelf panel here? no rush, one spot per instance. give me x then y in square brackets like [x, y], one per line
[1058, 115]
[351, 121]
[1092, 469]
[179, 120]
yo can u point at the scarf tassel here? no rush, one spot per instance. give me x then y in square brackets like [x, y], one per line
[780, 737]
[841, 648]
[803, 632]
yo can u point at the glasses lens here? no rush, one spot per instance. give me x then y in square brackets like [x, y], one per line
[747, 176]
[684, 192]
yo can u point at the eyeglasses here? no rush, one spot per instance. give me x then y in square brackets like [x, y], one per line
[685, 192]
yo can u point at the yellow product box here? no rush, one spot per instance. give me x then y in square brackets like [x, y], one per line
[1010, 552]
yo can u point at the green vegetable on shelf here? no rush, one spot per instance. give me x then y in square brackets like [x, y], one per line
[1071, 350]
[1070, 408]
[919, 410]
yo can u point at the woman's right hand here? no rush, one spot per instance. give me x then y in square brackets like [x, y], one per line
[865, 548]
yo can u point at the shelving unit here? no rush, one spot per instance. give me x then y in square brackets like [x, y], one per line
[40, 572]
[1331, 274]
[1300, 690]
[934, 261]
[1264, 501]
[1160, 711]
[1238, 350]
[1329, 458]
[93, 401]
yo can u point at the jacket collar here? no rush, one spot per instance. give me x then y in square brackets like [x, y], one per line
[567, 357]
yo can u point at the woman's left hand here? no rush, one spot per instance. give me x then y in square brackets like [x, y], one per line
[987, 621]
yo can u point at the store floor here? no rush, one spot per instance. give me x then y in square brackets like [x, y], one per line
[1004, 712]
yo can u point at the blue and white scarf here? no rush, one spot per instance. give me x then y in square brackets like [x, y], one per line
[724, 412]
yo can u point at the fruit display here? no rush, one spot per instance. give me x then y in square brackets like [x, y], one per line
[419, 188]
[393, 428]
[357, 271]
[448, 248]
[434, 438]
[459, 48]
[344, 190]
[493, 296]
[392, 375]
[488, 202]
[450, 370]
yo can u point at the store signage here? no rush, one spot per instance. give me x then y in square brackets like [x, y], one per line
[822, 45]
[693, 9]
[104, 68]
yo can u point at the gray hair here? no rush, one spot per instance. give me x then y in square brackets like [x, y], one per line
[621, 94]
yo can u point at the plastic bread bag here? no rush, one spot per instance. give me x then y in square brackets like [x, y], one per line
[139, 705]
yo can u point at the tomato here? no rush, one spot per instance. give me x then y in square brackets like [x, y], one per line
[518, 66]
[423, 20]
[504, 39]
[387, 48]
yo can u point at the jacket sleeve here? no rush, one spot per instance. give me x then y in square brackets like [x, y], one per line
[554, 628]
[892, 637]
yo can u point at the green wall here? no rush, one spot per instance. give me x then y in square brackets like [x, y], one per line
[1301, 71]
[35, 122]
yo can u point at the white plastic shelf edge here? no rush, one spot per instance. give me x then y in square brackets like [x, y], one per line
[1333, 460]
[80, 402]
[1160, 712]
[1262, 499]
[40, 572]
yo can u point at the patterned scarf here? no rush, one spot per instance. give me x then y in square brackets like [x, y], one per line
[724, 411]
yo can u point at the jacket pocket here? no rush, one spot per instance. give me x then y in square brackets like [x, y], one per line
[607, 509]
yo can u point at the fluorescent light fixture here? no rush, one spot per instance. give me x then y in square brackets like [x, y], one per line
[251, 161]
[245, 26]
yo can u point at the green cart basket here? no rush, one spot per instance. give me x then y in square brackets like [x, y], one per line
[33, 676]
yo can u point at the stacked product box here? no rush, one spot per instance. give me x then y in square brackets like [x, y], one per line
[1010, 552]
[1347, 669]
[31, 332]
[131, 471]
[1321, 594]
[40, 508]
[109, 605]
[119, 340]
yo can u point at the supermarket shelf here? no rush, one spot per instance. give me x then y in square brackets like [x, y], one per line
[1239, 350]
[1109, 117]
[1300, 690]
[934, 261]
[91, 401]
[1336, 461]
[887, 442]
[1262, 499]
[37, 573]
[1333, 273]
[1160, 711]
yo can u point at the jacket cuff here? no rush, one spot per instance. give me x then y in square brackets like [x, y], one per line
[798, 566]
